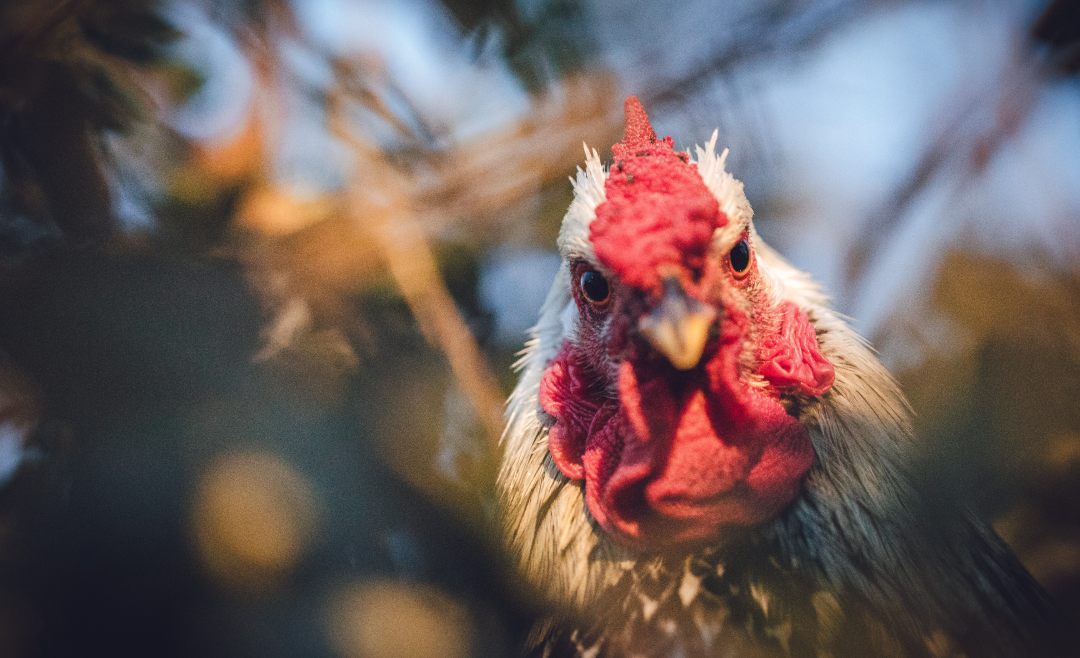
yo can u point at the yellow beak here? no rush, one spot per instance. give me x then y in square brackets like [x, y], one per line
[679, 327]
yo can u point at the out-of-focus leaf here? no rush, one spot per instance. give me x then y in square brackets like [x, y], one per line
[554, 39]
[1059, 28]
[63, 80]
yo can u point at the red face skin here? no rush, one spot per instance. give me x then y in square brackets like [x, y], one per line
[671, 457]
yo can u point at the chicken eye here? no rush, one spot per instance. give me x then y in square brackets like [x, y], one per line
[740, 258]
[595, 287]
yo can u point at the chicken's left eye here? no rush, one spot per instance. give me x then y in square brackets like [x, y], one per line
[595, 287]
[740, 258]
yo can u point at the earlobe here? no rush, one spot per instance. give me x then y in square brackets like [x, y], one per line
[792, 359]
[564, 397]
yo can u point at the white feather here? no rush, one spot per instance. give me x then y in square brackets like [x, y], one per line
[858, 507]
[589, 193]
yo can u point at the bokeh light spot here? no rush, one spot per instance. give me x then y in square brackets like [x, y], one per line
[254, 516]
[396, 620]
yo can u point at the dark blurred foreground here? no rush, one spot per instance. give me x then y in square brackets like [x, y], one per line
[186, 502]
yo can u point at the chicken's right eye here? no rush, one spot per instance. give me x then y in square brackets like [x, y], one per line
[595, 287]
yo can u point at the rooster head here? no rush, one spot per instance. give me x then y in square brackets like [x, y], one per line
[670, 396]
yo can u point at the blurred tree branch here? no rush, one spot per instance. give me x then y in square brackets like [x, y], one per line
[973, 128]
[379, 201]
[776, 28]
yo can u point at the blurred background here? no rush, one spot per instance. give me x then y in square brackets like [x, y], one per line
[265, 266]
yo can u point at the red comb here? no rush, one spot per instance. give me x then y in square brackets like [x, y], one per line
[657, 213]
[638, 129]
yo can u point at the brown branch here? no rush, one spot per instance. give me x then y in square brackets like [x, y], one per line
[381, 202]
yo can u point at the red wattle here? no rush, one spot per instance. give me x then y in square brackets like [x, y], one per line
[679, 455]
[676, 456]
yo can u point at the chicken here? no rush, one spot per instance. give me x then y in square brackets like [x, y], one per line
[703, 459]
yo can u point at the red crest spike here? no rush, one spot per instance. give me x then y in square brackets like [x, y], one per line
[658, 213]
[638, 129]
